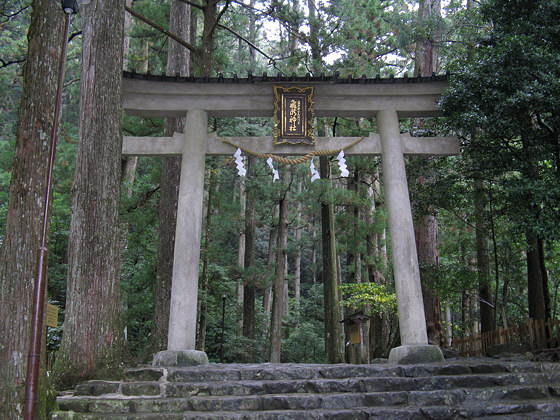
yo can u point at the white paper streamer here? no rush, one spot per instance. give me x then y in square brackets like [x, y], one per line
[314, 173]
[239, 160]
[342, 164]
[274, 171]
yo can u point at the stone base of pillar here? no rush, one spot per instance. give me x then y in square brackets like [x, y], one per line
[180, 358]
[412, 354]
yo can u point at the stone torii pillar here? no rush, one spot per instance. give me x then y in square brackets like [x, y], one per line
[184, 289]
[414, 337]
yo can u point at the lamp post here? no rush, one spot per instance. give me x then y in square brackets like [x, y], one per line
[37, 320]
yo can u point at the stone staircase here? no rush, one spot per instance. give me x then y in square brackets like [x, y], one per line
[464, 388]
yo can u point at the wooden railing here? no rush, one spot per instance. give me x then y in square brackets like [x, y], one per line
[539, 334]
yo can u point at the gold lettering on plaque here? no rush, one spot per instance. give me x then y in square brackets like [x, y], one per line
[293, 115]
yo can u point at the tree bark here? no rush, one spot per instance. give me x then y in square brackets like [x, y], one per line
[487, 316]
[93, 342]
[353, 353]
[241, 244]
[278, 286]
[537, 308]
[203, 296]
[377, 254]
[21, 240]
[210, 10]
[313, 250]
[297, 259]
[544, 274]
[286, 307]
[466, 314]
[426, 234]
[177, 62]
[272, 239]
[333, 327]
[250, 288]
[426, 226]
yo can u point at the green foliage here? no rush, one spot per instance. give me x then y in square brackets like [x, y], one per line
[304, 345]
[14, 20]
[504, 101]
[305, 342]
[147, 50]
[374, 296]
[374, 36]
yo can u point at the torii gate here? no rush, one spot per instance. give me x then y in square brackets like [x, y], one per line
[385, 99]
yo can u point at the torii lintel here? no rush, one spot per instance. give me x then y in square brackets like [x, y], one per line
[368, 146]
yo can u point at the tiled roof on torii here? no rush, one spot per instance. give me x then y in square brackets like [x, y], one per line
[282, 78]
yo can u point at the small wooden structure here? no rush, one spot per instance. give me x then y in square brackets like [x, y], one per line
[356, 348]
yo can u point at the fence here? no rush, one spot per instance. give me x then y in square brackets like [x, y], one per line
[539, 334]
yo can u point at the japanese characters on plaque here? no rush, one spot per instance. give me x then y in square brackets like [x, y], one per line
[293, 115]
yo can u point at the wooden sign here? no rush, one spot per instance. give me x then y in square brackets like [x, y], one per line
[293, 115]
[52, 315]
[355, 334]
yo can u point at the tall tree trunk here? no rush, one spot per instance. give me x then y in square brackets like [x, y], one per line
[272, 239]
[377, 254]
[314, 26]
[426, 226]
[286, 307]
[466, 314]
[241, 245]
[539, 300]
[353, 262]
[487, 309]
[426, 60]
[129, 162]
[333, 328]
[203, 295]
[544, 275]
[426, 234]
[449, 324]
[21, 240]
[278, 286]
[537, 307]
[297, 259]
[314, 250]
[177, 62]
[92, 345]
[250, 289]
[210, 9]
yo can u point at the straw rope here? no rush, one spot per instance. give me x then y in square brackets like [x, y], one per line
[294, 161]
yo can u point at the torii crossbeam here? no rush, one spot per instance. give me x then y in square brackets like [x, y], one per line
[197, 98]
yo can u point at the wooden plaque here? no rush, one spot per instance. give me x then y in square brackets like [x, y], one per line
[52, 315]
[355, 334]
[293, 115]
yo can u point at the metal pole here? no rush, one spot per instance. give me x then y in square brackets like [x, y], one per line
[223, 327]
[34, 358]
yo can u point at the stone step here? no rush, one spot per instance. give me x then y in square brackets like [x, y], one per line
[269, 371]
[347, 400]
[474, 388]
[321, 386]
[531, 410]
